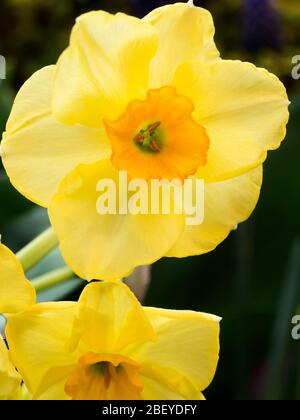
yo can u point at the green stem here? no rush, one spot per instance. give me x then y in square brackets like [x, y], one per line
[36, 250]
[52, 278]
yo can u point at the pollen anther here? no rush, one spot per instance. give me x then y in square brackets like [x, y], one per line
[147, 137]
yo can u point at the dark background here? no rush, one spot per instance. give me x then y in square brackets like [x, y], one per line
[252, 279]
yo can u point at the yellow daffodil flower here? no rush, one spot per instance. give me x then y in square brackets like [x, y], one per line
[154, 98]
[16, 294]
[107, 346]
[11, 386]
[10, 380]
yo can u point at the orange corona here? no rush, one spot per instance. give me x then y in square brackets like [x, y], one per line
[158, 137]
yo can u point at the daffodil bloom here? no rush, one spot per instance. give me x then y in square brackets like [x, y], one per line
[107, 346]
[10, 380]
[153, 97]
[11, 386]
[16, 294]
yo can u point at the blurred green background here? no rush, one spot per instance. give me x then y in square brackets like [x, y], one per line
[252, 279]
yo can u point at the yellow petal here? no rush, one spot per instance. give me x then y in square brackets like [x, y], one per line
[37, 341]
[52, 385]
[167, 386]
[105, 67]
[21, 393]
[185, 33]
[37, 151]
[106, 247]
[55, 392]
[10, 379]
[226, 204]
[111, 309]
[244, 110]
[16, 292]
[186, 350]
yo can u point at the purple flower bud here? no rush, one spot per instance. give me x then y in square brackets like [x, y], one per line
[261, 26]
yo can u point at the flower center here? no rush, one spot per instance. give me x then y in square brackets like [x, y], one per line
[149, 138]
[158, 137]
[104, 377]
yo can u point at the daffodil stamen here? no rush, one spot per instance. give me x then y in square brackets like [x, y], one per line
[104, 376]
[152, 127]
[149, 138]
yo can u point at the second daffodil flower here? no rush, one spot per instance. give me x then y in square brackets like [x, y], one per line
[16, 294]
[11, 387]
[105, 346]
[151, 97]
[108, 347]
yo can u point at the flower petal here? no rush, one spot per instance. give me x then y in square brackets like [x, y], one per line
[226, 204]
[110, 246]
[105, 67]
[52, 385]
[186, 347]
[16, 292]
[38, 151]
[37, 340]
[243, 108]
[111, 309]
[185, 33]
[167, 386]
[10, 379]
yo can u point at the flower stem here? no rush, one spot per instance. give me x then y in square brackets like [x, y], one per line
[53, 278]
[36, 250]
[139, 281]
